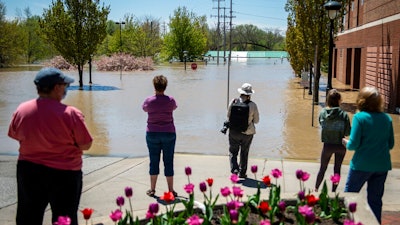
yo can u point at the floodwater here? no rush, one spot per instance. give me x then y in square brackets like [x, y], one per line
[288, 127]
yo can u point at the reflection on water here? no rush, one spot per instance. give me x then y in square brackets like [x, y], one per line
[93, 87]
[113, 113]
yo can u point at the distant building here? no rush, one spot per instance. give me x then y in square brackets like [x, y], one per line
[367, 50]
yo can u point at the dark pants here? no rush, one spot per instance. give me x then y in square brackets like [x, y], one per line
[239, 142]
[327, 151]
[164, 142]
[375, 188]
[39, 185]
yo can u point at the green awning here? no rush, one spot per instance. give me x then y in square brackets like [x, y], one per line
[249, 54]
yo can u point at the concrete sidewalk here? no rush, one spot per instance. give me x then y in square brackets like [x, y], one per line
[105, 178]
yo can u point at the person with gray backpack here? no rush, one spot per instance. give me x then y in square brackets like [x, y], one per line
[242, 115]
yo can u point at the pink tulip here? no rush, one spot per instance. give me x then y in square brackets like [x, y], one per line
[234, 205]
[276, 173]
[265, 222]
[303, 210]
[63, 220]
[237, 191]
[305, 176]
[189, 188]
[225, 191]
[351, 222]
[194, 220]
[234, 178]
[234, 215]
[116, 215]
[335, 178]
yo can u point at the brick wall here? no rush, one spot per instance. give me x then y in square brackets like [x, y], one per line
[375, 34]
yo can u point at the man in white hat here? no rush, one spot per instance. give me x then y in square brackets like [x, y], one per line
[242, 115]
[52, 137]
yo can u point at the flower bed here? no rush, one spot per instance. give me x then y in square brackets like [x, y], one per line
[306, 208]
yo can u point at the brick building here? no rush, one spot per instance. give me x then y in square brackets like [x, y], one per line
[367, 49]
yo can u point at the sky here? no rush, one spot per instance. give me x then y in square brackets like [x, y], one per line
[265, 14]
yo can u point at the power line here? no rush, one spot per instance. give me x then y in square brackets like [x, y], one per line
[267, 17]
[224, 16]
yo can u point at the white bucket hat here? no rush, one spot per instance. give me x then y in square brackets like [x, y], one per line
[246, 89]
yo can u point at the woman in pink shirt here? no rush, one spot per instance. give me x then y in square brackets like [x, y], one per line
[52, 137]
[160, 133]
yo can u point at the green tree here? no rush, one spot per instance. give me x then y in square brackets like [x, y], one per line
[294, 48]
[10, 33]
[187, 33]
[213, 39]
[247, 37]
[111, 43]
[34, 45]
[308, 28]
[274, 40]
[75, 28]
[148, 38]
[141, 37]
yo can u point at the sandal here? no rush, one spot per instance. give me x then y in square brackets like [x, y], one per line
[151, 193]
[175, 194]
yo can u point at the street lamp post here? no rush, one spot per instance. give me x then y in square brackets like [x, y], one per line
[333, 8]
[185, 53]
[120, 46]
[90, 70]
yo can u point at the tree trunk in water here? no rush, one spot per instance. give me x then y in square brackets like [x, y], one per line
[317, 74]
[80, 71]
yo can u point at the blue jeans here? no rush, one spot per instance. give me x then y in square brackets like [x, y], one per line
[375, 188]
[158, 142]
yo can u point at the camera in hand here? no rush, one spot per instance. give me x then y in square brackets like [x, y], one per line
[225, 127]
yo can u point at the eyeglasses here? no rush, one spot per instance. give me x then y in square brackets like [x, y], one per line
[65, 84]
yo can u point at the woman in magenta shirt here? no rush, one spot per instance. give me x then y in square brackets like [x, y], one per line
[160, 133]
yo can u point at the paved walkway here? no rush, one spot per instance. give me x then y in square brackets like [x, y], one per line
[105, 178]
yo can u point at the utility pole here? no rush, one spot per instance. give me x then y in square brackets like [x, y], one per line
[224, 36]
[120, 47]
[218, 28]
[230, 48]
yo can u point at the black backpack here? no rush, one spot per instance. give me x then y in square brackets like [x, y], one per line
[239, 117]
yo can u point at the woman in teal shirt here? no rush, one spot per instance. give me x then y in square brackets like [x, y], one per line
[371, 138]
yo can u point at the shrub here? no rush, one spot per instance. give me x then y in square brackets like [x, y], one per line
[60, 63]
[123, 61]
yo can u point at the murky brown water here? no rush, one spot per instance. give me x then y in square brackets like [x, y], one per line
[114, 116]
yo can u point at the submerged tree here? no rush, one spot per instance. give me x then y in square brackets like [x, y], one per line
[75, 28]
